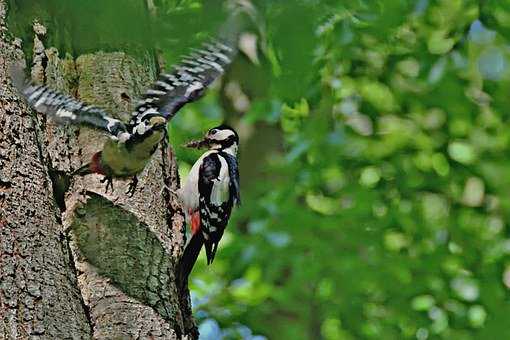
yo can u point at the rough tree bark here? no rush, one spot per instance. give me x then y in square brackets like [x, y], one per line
[76, 262]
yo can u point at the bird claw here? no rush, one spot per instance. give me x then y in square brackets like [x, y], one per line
[109, 183]
[132, 187]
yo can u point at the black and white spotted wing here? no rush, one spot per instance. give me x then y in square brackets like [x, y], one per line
[215, 202]
[65, 109]
[233, 171]
[186, 83]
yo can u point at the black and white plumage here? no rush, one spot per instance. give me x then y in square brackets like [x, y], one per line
[209, 193]
[132, 144]
[66, 109]
[186, 83]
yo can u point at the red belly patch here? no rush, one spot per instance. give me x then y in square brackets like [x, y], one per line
[195, 221]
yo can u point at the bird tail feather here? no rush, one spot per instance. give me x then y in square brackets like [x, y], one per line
[189, 257]
[210, 251]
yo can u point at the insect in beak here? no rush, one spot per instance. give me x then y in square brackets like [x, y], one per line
[197, 144]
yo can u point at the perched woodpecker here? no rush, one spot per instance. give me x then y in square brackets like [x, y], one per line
[132, 144]
[209, 193]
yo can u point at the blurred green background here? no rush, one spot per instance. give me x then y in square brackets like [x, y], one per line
[374, 163]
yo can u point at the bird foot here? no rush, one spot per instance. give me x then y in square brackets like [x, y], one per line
[109, 183]
[132, 187]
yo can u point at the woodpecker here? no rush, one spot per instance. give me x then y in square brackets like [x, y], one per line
[209, 193]
[132, 144]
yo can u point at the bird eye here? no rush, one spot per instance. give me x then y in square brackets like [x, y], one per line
[213, 131]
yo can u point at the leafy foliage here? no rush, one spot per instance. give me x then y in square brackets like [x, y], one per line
[384, 215]
[373, 161]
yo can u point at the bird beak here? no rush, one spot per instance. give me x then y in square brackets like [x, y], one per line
[197, 144]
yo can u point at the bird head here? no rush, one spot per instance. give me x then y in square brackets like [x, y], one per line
[221, 137]
[157, 121]
[149, 123]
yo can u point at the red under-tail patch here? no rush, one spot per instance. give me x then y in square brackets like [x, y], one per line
[195, 222]
[95, 164]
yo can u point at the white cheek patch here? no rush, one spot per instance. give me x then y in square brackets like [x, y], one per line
[222, 135]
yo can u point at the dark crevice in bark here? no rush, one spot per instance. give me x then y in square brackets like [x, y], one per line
[60, 182]
[5, 185]
[125, 96]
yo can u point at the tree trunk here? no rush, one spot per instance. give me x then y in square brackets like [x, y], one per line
[76, 262]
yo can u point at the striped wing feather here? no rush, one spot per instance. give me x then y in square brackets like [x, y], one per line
[64, 109]
[186, 83]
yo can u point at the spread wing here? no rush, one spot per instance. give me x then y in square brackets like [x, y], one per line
[67, 110]
[215, 204]
[186, 83]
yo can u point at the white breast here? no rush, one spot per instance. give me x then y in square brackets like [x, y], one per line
[189, 195]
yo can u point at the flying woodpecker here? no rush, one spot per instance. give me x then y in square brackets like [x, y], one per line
[209, 193]
[132, 144]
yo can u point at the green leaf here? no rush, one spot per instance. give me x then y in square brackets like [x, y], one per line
[439, 43]
[423, 302]
[462, 152]
[379, 95]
